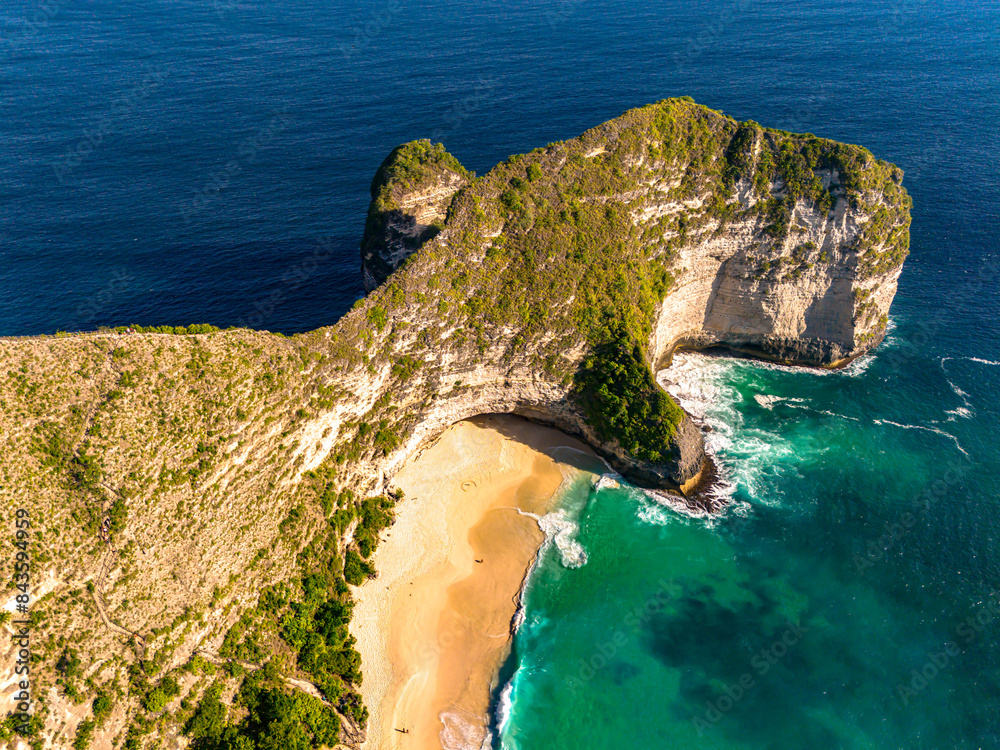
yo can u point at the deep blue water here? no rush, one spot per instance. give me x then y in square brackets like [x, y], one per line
[172, 161]
[176, 162]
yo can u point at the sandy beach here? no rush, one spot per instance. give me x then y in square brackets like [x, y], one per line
[434, 628]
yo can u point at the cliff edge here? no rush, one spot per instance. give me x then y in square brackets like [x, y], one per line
[212, 497]
[672, 225]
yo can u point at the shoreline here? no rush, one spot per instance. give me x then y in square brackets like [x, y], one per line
[435, 627]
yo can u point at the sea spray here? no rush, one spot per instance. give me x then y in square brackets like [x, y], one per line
[607, 481]
[699, 383]
[561, 528]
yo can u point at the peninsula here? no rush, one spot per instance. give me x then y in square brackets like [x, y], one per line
[203, 503]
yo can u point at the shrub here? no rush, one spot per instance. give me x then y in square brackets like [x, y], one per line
[208, 722]
[377, 317]
[84, 733]
[102, 706]
[157, 698]
[622, 401]
[119, 515]
[356, 570]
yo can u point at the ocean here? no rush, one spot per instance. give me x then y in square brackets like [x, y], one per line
[175, 162]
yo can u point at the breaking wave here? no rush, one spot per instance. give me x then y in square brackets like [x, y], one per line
[561, 528]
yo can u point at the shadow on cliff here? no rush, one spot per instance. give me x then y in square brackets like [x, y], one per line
[553, 442]
[711, 320]
[826, 310]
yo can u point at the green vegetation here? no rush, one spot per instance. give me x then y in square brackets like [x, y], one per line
[241, 643]
[70, 670]
[157, 698]
[356, 570]
[311, 615]
[407, 167]
[275, 719]
[374, 514]
[118, 515]
[377, 317]
[623, 402]
[410, 164]
[84, 733]
[191, 330]
[101, 706]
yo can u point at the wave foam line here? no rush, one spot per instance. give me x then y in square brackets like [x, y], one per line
[935, 430]
[965, 410]
[506, 702]
[698, 383]
[607, 481]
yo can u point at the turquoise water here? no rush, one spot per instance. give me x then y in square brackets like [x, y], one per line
[859, 539]
[116, 120]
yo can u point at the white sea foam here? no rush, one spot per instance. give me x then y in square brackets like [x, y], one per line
[505, 703]
[965, 410]
[769, 402]
[607, 481]
[698, 383]
[959, 411]
[749, 458]
[935, 430]
[855, 369]
[561, 528]
[890, 339]
[463, 731]
[662, 508]
[744, 457]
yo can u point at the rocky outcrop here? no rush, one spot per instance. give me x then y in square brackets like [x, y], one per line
[718, 233]
[803, 299]
[410, 193]
[549, 287]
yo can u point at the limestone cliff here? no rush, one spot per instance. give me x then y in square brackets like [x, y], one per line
[692, 228]
[795, 258]
[410, 193]
[231, 466]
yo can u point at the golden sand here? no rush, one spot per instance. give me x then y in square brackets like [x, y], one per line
[434, 628]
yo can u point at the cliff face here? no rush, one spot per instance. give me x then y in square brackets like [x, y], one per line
[800, 273]
[691, 228]
[410, 193]
[807, 298]
[546, 288]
